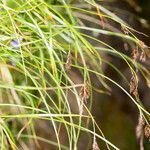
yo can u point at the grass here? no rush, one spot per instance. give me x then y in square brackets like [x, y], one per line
[41, 42]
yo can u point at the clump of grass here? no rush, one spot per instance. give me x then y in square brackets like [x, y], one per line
[41, 43]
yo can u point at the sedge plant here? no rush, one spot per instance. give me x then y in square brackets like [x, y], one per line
[41, 43]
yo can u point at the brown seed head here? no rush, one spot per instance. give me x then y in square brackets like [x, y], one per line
[135, 53]
[143, 56]
[147, 131]
[142, 44]
[134, 86]
[139, 127]
[141, 120]
[68, 62]
[85, 92]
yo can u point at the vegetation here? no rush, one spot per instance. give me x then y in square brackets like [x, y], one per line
[49, 54]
